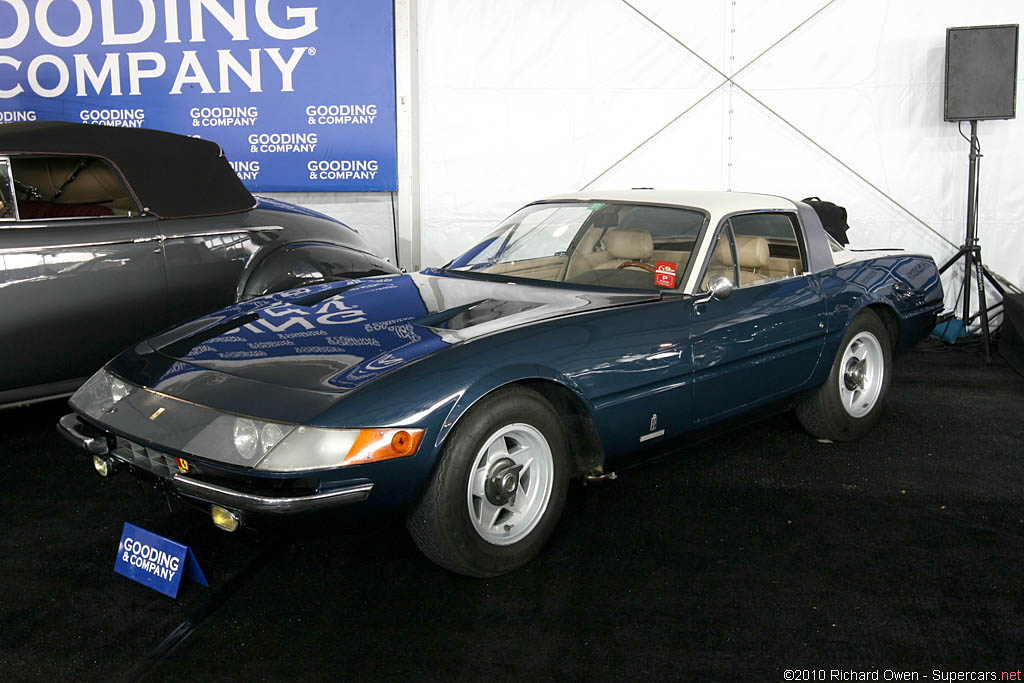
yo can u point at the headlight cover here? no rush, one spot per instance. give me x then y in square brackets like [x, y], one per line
[314, 448]
[181, 426]
[246, 439]
[101, 392]
[174, 424]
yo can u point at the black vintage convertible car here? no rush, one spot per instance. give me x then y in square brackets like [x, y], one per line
[108, 235]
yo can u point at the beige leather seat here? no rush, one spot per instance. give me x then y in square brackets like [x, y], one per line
[752, 253]
[626, 245]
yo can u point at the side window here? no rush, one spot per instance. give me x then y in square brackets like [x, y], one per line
[723, 260]
[767, 247]
[68, 187]
[6, 191]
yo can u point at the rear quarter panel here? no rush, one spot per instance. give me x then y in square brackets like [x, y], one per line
[906, 284]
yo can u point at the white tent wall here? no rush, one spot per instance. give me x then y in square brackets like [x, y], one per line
[843, 100]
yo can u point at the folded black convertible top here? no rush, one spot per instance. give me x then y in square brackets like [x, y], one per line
[170, 175]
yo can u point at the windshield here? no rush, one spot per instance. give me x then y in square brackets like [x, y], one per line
[620, 245]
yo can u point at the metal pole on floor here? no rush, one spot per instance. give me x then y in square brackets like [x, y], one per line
[407, 109]
[971, 249]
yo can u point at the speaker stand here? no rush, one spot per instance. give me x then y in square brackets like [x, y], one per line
[970, 252]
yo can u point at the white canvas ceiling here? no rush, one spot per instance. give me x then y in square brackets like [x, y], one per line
[843, 100]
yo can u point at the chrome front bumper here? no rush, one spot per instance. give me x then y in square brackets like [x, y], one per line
[218, 495]
[98, 443]
[87, 438]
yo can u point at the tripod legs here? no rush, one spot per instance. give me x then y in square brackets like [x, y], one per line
[971, 255]
[971, 249]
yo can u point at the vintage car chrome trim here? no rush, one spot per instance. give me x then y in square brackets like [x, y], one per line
[78, 245]
[72, 429]
[246, 501]
[215, 233]
[133, 240]
[24, 396]
[33, 223]
[33, 401]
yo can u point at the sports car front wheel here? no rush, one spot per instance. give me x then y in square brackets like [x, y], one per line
[499, 488]
[850, 402]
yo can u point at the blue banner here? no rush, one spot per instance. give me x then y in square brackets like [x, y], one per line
[155, 561]
[300, 94]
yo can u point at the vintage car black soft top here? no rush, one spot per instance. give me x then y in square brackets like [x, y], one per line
[170, 175]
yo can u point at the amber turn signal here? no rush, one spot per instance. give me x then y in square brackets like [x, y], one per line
[373, 445]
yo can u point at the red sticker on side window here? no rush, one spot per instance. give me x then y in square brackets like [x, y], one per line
[665, 275]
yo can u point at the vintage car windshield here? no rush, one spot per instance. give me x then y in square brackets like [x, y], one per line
[609, 244]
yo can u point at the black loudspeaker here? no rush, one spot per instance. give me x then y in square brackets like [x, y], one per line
[981, 72]
[1011, 340]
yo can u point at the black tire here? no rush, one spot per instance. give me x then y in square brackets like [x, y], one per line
[824, 413]
[440, 524]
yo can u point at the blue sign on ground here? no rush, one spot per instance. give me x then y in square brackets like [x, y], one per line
[155, 561]
[300, 94]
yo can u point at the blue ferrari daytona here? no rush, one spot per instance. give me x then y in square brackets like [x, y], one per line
[586, 333]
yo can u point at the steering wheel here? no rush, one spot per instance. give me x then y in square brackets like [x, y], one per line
[638, 264]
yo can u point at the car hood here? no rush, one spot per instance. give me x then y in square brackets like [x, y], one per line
[334, 338]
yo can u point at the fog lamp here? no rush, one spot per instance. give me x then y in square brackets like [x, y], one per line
[225, 519]
[104, 466]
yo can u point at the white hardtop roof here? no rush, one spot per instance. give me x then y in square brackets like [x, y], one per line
[717, 203]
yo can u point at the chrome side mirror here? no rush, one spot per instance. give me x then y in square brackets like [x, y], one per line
[718, 287]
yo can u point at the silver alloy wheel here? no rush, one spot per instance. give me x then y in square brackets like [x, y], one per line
[510, 484]
[861, 374]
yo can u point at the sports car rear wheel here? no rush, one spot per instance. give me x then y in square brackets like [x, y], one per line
[850, 402]
[499, 488]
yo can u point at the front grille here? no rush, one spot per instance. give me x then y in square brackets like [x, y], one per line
[144, 458]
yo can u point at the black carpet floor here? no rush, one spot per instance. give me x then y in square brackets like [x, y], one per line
[755, 553]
